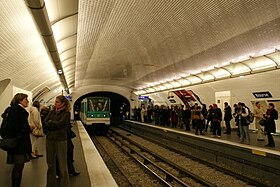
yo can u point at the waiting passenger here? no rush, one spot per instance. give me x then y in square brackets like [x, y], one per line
[18, 126]
[235, 115]
[157, 115]
[204, 113]
[187, 118]
[149, 114]
[143, 114]
[180, 116]
[243, 123]
[209, 119]
[56, 124]
[227, 118]
[271, 115]
[259, 114]
[174, 116]
[216, 116]
[167, 115]
[35, 122]
[197, 118]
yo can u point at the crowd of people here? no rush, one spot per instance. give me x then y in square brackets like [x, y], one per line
[29, 127]
[199, 119]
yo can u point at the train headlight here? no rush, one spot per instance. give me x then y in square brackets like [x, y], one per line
[91, 115]
[104, 115]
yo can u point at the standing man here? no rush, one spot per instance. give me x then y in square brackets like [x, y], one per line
[243, 123]
[227, 117]
[216, 115]
[187, 118]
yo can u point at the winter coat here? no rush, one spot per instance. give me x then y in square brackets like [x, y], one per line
[242, 118]
[35, 118]
[18, 126]
[216, 114]
[56, 125]
[270, 121]
[258, 114]
[228, 115]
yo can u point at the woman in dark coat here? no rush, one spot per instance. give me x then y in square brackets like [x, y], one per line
[19, 127]
[271, 115]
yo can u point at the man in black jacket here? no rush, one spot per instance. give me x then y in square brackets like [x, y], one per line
[227, 117]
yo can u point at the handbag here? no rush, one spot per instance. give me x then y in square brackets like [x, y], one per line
[9, 143]
[38, 132]
[262, 122]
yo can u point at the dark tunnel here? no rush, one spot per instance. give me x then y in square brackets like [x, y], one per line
[119, 105]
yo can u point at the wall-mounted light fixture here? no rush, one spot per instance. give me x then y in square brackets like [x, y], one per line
[252, 65]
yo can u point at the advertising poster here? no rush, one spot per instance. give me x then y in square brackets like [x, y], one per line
[188, 97]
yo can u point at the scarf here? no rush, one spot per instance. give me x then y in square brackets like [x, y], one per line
[57, 110]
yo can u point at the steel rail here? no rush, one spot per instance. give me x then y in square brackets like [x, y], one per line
[183, 172]
[143, 164]
[100, 147]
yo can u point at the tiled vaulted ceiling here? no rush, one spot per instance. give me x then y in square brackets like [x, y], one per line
[135, 42]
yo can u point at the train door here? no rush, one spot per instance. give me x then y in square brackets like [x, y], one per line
[221, 98]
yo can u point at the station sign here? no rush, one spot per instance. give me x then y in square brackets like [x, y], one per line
[141, 97]
[262, 94]
[69, 97]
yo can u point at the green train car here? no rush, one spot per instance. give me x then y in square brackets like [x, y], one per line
[95, 111]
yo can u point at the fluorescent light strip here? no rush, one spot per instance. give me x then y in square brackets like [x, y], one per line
[240, 68]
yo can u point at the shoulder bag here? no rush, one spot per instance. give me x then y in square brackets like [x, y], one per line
[262, 122]
[9, 143]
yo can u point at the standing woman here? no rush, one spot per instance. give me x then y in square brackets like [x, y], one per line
[56, 124]
[259, 114]
[35, 121]
[19, 127]
[271, 115]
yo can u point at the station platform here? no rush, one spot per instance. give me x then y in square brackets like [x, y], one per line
[88, 162]
[233, 137]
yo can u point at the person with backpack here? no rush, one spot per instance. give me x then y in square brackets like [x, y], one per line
[18, 126]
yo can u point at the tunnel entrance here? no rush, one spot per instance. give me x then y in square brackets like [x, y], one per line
[120, 106]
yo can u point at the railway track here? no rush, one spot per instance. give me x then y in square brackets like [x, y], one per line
[162, 174]
[169, 173]
[180, 171]
[123, 167]
[118, 174]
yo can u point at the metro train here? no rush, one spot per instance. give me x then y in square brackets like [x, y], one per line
[95, 112]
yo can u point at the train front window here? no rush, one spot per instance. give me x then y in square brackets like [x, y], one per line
[98, 104]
